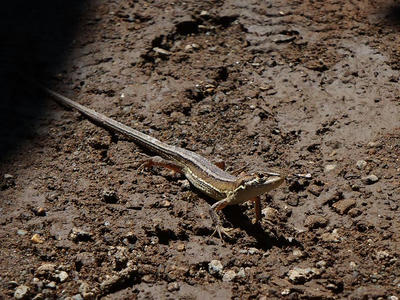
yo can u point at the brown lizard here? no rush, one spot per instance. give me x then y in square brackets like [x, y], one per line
[208, 178]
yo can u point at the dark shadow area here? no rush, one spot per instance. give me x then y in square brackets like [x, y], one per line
[266, 239]
[35, 36]
[391, 15]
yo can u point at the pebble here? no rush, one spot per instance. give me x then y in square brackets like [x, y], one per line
[331, 236]
[300, 275]
[383, 254]
[36, 238]
[21, 292]
[84, 290]
[373, 144]
[173, 286]
[77, 297]
[252, 251]
[353, 265]
[297, 253]
[8, 176]
[315, 221]
[215, 267]
[21, 232]
[229, 276]
[329, 168]
[361, 164]
[62, 276]
[161, 51]
[370, 179]
[165, 204]
[344, 205]
[241, 273]
[41, 212]
[180, 247]
[148, 278]
[321, 264]
[45, 269]
[271, 214]
[51, 285]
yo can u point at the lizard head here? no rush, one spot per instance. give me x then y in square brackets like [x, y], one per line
[253, 185]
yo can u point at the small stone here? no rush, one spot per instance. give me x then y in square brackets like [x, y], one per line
[354, 212]
[383, 254]
[344, 205]
[165, 203]
[331, 236]
[370, 179]
[51, 285]
[41, 212]
[353, 265]
[293, 200]
[297, 253]
[161, 51]
[315, 221]
[204, 13]
[229, 276]
[21, 232]
[215, 267]
[315, 190]
[185, 184]
[252, 251]
[110, 196]
[173, 286]
[180, 247]
[62, 276]
[285, 292]
[84, 290]
[241, 273]
[329, 168]
[21, 292]
[36, 238]
[271, 214]
[361, 164]
[8, 176]
[77, 297]
[373, 144]
[188, 48]
[148, 278]
[300, 275]
[45, 269]
[321, 264]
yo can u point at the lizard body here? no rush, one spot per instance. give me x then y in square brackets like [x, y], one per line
[211, 180]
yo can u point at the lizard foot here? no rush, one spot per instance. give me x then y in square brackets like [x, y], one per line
[222, 231]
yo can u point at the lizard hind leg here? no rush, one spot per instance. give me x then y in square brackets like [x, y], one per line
[159, 161]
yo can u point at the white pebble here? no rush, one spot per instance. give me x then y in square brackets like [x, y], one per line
[215, 267]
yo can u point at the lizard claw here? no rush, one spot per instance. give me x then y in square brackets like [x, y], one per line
[222, 231]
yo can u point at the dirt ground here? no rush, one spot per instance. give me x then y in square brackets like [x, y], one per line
[300, 86]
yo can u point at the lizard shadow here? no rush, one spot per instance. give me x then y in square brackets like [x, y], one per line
[265, 239]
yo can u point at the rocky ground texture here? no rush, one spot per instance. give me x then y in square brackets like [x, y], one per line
[300, 86]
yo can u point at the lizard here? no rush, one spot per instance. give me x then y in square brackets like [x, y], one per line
[205, 176]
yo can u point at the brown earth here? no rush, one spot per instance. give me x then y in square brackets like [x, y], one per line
[304, 86]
